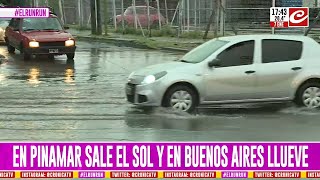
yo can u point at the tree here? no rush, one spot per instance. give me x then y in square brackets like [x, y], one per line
[106, 18]
[93, 17]
[205, 36]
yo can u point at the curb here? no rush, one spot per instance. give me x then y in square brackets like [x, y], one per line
[127, 43]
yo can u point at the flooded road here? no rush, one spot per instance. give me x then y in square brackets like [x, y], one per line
[43, 100]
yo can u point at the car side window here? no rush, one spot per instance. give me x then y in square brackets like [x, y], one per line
[275, 50]
[237, 54]
[129, 11]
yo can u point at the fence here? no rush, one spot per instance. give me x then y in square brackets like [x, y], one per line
[226, 16]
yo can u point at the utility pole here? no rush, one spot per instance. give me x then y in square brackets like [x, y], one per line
[93, 17]
[273, 5]
[99, 22]
[148, 14]
[61, 11]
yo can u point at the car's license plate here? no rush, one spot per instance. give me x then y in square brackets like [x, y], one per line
[53, 50]
[129, 90]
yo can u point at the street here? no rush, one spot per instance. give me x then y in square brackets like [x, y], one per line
[56, 100]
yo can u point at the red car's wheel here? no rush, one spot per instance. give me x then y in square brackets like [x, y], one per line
[26, 56]
[11, 49]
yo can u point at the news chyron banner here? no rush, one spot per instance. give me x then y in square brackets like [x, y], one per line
[286, 17]
[32, 12]
[159, 160]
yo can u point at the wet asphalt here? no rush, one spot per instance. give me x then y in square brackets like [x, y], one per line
[84, 100]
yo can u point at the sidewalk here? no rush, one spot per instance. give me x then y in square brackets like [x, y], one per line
[164, 43]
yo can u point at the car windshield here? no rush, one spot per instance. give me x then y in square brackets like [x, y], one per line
[203, 51]
[41, 24]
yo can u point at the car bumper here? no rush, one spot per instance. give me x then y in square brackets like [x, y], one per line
[59, 50]
[145, 95]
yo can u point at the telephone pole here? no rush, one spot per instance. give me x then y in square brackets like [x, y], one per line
[93, 17]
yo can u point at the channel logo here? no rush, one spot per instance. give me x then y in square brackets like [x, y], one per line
[285, 17]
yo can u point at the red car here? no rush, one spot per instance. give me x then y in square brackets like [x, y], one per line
[142, 16]
[39, 36]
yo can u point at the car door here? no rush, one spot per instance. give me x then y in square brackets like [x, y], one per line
[280, 64]
[14, 33]
[9, 30]
[234, 79]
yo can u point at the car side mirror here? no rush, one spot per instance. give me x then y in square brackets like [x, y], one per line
[214, 63]
[66, 27]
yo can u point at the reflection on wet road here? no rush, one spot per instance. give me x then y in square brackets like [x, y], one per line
[59, 100]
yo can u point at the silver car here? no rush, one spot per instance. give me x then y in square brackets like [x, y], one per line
[235, 69]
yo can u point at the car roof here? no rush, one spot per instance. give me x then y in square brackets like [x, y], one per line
[265, 36]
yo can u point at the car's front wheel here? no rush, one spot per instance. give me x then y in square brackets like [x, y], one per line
[181, 98]
[11, 49]
[26, 56]
[309, 95]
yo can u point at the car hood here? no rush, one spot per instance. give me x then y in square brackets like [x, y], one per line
[154, 69]
[48, 35]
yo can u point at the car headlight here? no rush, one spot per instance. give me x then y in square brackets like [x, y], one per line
[152, 78]
[33, 44]
[69, 42]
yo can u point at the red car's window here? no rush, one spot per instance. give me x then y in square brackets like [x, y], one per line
[141, 10]
[129, 11]
[41, 24]
[153, 11]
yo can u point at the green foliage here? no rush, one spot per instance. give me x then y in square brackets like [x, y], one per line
[166, 31]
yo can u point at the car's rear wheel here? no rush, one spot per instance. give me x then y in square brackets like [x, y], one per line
[70, 55]
[309, 95]
[181, 98]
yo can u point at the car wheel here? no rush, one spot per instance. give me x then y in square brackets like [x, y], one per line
[309, 95]
[70, 55]
[11, 49]
[26, 56]
[181, 98]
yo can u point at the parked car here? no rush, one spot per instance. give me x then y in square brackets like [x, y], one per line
[39, 36]
[235, 69]
[4, 22]
[142, 16]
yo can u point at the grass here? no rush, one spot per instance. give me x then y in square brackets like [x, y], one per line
[166, 31]
[77, 27]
